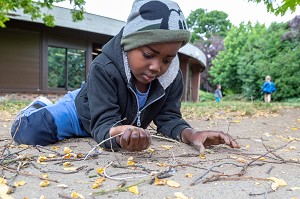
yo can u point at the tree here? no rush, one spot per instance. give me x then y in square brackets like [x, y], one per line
[33, 8]
[208, 30]
[274, 6]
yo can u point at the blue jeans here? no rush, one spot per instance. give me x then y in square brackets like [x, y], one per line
[49, 124]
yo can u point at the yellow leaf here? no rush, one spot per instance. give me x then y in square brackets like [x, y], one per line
[44, 183]
[95, 185]
[76, 195]
[247, 146]
[45, 175]
[62, 186]
[167, 147]
[236, 121]
[277, 183]
[100, 170]
[42, 158]
[292, 147]
[52, 155]
[67, 156]
[54, 148]
[67, 150]
[294, 128]
[173, 183]
[20, 183]
[188, 175]
[294, 188]
[130, 161]
[42, 197]
[23, 146]
[151, 150]
[202, 156]
[2, 181]
[70, 168]
[242, 160]
[159, 181]
[134, 189]
[100, 180]
[3, 189]
[298, 120]
[67, 164]
[161, 164]
[180, 195]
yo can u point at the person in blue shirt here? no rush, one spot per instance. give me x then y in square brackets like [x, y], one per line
[218, 93]
[268, 89]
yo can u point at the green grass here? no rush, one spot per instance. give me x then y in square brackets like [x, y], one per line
[205, 109]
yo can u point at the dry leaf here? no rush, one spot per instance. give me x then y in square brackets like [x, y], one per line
[44, 183]
[100, 170]
[180, 195]
[45, 175]
[292, 147]
[54, 148]
[188, 175]
[173, 183]
[100, 180]
[70, 168]
[294, 188]
[277, 183]
[161, 164]
[166, 147]
[62, 186]
[42, 197]
[134, 189]
[95, 185]
[151, 150]
[23, 146]
[202, 156]
[52, 155]
[159, 181]
[130, 161]
[42, 158]
[3, 181]
[67, 150]
[20, 183]
[67, 164]
[76, 195]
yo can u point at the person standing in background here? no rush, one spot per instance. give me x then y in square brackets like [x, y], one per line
[218, 93]
[268, 89]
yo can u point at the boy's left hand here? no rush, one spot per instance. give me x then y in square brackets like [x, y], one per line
[202, 139]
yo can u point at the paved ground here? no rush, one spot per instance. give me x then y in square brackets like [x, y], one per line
[270, 149]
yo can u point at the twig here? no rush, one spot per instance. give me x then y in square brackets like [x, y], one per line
[102, 192]
[26, 173]
[199, 178]
[124, 178]
[243, 171]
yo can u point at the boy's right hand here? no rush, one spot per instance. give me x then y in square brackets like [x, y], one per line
[135, 139]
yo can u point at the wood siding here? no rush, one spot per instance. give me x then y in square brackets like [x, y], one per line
[19, 59]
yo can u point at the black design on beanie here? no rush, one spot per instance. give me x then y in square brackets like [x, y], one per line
[154, 10]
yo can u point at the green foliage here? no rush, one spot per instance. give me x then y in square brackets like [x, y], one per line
[251, 53]
[205, 24]
[206, 96]
[33, 8]
[281, 7]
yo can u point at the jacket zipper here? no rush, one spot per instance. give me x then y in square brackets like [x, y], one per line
[138, 114]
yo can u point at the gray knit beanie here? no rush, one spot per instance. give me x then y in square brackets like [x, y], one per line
[154, 21]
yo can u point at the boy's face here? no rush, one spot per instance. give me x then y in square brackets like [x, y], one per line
[151, 61]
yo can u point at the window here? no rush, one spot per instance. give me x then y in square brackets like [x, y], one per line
[66, 68]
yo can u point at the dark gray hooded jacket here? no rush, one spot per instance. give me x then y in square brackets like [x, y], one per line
[108, 97]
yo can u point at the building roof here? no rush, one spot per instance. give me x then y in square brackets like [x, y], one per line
[97, 24]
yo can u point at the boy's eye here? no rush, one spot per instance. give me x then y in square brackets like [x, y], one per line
[147, 55]
[167, 61]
